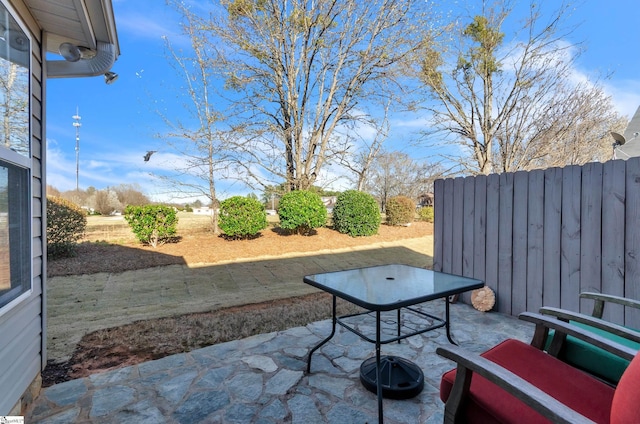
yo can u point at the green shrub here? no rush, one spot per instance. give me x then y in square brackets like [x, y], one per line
[242, 217]
[152, 224]
[301, 211]
[66, 223]
[356, 214]
[400, 210]
[426, 213]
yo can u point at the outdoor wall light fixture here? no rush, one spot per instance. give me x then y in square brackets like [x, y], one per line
[82, 61]
[70, 52]
[110, 77]
[73, 53]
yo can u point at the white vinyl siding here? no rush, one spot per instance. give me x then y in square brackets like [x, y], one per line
[22, 346]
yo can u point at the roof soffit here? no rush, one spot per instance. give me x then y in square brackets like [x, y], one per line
[80, 22]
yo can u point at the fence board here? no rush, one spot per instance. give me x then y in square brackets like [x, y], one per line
[468, 227]
[468, 232]
[520, 217]
[632, 239]
[535, 241]
[570, 241]
[613, 223]
[480, 229]
[551, 233]
[491, 245]
[505, 243]
[438, 224]
[591, 232]
[458, 219]
[447, 234]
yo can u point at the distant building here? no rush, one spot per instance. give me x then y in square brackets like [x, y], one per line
[425, 199]
[204, 210]
[329, 202]
[627, 145]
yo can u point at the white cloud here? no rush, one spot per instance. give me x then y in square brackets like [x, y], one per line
[143, 26]
[334, 177]
[154, 21]
[625, 95]
[412, 122]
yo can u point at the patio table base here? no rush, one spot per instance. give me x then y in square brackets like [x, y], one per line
[400, 378]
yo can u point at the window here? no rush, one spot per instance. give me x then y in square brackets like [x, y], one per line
[15, 238]
[15, 160]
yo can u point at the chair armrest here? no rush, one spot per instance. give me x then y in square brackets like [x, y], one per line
[469, 363]
[598, 323]
[544, 323]
[600, 299]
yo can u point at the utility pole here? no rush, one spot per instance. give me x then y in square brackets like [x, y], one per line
[77, 124]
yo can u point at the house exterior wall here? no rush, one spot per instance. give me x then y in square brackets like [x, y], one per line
[22, 335]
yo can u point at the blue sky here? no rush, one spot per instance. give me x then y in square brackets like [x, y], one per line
[120, 121]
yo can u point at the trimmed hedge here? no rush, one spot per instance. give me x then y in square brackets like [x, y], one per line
[426, 214]
[66, 223]
[242, 217]
[301, 211]
[400, 210]
[152, 224]
[356, 214]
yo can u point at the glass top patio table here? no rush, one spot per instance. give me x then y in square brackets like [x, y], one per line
[385, 288]
[389, 287]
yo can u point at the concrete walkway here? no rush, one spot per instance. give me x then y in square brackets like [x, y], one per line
[262, 379]
[78, 305]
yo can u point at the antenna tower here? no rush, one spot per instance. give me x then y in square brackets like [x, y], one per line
[77, 124]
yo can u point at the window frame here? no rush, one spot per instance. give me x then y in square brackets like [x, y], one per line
[25, 163]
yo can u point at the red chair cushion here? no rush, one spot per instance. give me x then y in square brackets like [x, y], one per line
[488, 403]
[625, 408]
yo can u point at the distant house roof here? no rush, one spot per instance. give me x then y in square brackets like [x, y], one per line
[631, 146]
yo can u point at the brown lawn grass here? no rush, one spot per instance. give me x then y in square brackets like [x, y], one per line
[109, 246]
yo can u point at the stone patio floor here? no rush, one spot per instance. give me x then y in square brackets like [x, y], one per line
[262, 379]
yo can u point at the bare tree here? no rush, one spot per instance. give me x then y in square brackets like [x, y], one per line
[105, 201]
[396, 173]
[361, 151]
[581, 132]
[130, 194]
[297, 70]
[199, 142]
[361, 161]
[52, 191]
[513, 105]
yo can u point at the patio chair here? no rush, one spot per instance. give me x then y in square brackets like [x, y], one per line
[584, 355]
[515, 382]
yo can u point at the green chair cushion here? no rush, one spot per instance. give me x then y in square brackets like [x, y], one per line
[592, 359]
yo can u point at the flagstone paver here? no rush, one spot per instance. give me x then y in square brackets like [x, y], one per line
[235, 382]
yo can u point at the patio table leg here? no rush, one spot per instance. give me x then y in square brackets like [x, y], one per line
[333, 331]
[447, 325]
[399, 324]
[378, 369]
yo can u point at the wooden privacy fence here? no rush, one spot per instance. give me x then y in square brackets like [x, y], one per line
[541, 237]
